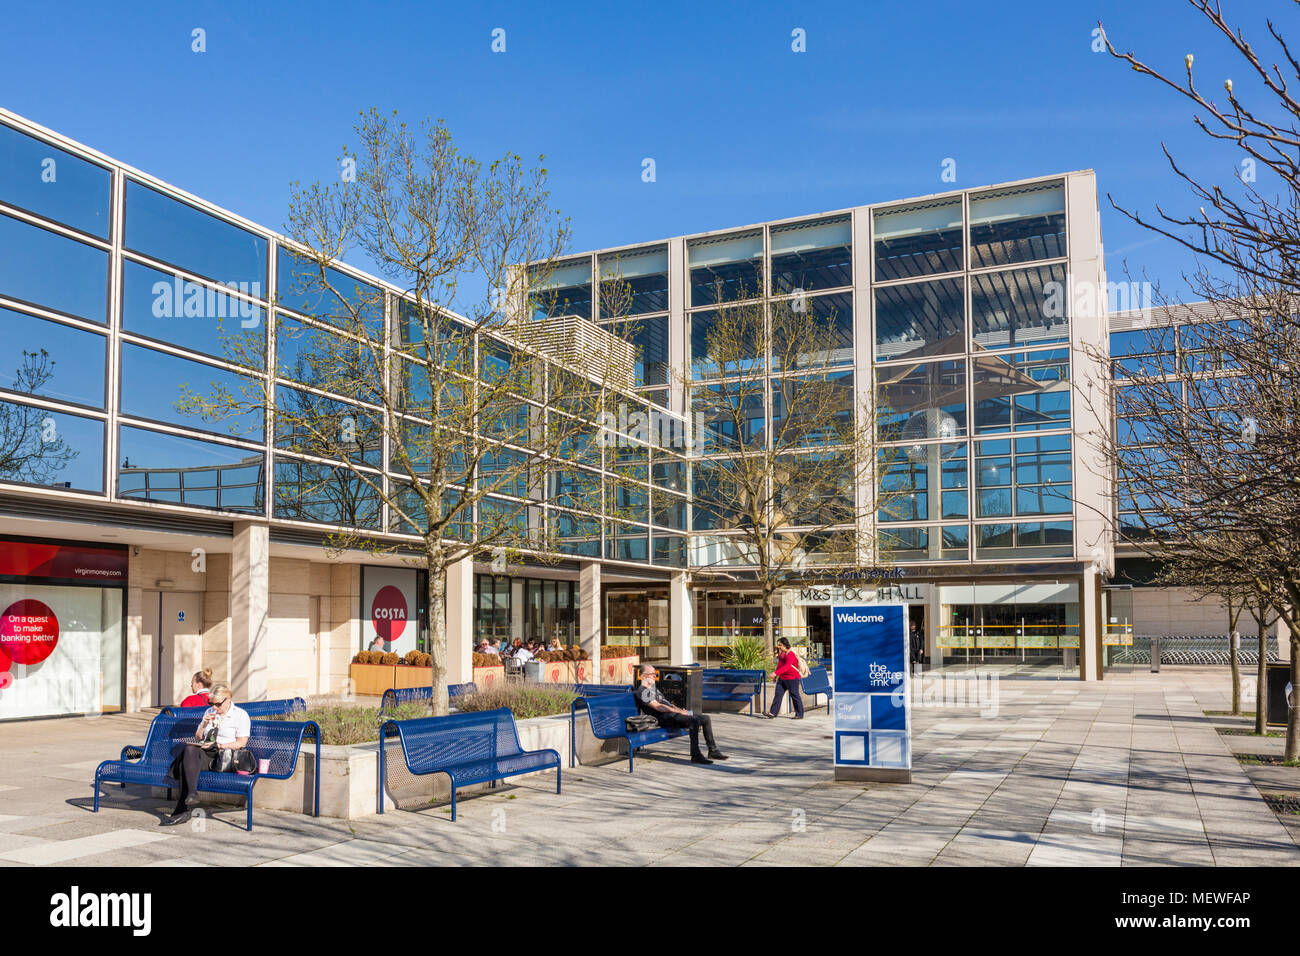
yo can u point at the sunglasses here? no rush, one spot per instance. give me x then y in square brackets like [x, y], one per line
[220, 703]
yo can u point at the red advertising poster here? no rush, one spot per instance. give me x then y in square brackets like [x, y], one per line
[29, 632]
[63, 561]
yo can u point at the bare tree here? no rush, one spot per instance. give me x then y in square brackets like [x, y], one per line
[464, 412]
[779, 491]
[1215, 458]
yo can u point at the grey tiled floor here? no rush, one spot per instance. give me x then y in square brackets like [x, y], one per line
[1124, 772]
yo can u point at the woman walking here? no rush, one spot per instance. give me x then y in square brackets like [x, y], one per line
[787, 677]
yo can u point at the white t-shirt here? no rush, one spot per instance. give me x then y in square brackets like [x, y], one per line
[523, 654]
[231, 725]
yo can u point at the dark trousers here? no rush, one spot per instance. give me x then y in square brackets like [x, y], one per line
[193, 760]
[694, 723]
[796, 697]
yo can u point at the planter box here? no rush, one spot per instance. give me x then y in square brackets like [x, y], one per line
[618, 670]
[557, 672]
[583, 673]
[487, 677]
[408, 676]
[371, 680]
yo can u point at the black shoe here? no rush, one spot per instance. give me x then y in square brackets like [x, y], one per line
[798, 716]
[717, 755]
[177, 817]
[700, 758]
[192, 800]
[766, 716]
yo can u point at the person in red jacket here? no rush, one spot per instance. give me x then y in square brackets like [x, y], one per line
[787, 679]
[200, 689]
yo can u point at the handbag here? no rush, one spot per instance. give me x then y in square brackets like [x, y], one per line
[804, 669]
[639, 723]
[232, 761]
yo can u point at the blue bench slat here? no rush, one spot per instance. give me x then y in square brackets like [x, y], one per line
[818, 682]
[471, 747]
[725, 683]
[278, 741]
[401, 695]
[254, 708]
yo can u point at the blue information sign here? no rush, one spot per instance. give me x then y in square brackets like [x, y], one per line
[872, 692]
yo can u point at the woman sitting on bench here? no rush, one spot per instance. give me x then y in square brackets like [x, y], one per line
[223, 727]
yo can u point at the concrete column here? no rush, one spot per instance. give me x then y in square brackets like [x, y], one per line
[681, 620]
[460, 622]
[139, 647]
[1089, 626]
[250, 580]
[589, 613]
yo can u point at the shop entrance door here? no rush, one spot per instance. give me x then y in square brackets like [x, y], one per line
[174, 623]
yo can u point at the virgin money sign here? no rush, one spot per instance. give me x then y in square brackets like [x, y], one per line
[388, 608]
[65, 562]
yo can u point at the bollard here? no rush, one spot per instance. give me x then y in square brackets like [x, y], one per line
[1155, 653]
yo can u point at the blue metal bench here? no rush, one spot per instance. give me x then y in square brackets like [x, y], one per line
[401, 695]
[256, 708]
[725, 683]
[607, 713]
[473, 747]
[817, 682]
[277, 741]
[593, 690]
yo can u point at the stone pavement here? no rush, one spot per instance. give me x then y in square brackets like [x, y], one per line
[1124, 772]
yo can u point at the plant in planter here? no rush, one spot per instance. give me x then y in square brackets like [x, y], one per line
[748, 654]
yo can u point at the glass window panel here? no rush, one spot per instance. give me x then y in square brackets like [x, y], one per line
[157, 467]
[812, 256]
[922, 482]
[669, 473]
[920, 319]
[725, 268]
[565, 290]
[1142, 352]
[932, 543]
[634, 282]
[1017, 224]
[926, 400]
[327, 361]
[49, 270]
[670, 550]
[726, 342]
[814, 489]
[824, 340]
[574, 488]
[918, 239]
[50, 182]
[51, 449]
[669, 511]
[54, 360]
[627, 543]
[316, 425]
[1025, 391]
[730, 416]
[190, 239]
[576, 534]
[338, 299]
[1024, 307]
[628, 501]
[813, 410]
[309, 491]
[155, 386]
[715, 502]
[193, 315]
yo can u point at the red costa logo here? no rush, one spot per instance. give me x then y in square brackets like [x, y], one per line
[388, 612]
[29, 632]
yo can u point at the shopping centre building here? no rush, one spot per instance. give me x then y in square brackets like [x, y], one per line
[140, 540]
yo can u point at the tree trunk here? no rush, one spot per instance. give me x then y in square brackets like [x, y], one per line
[1234, 640]
[1292, 712]
[769, 633]
[1261, 678]
[437, 568]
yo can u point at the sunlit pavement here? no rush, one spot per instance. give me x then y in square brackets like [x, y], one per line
[1128, 771]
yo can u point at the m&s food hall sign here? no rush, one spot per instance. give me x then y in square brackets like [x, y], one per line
[847, 594]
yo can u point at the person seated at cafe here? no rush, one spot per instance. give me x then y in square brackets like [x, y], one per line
[555, 645]
[523, 652]
[492, 647]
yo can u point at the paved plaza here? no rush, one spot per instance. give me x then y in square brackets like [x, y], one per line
[1128, 771]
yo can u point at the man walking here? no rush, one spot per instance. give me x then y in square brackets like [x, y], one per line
[650, 701]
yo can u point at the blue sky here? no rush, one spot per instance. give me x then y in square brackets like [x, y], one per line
[741, 128]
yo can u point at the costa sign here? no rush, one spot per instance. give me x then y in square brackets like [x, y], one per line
[388, 611]
[388, 605]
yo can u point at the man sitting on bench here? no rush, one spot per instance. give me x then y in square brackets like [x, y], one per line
[650, 701]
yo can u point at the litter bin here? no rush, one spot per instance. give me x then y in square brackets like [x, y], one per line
[533, 671]
[1279, 675]
[682, 685]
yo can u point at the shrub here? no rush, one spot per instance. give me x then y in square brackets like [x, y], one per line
[486, 660]
[412, 658]
[363, 657]
[424, 660]
[390, 659]
[612, 651]
[748, 654]
[524, 700]
[343, 722]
